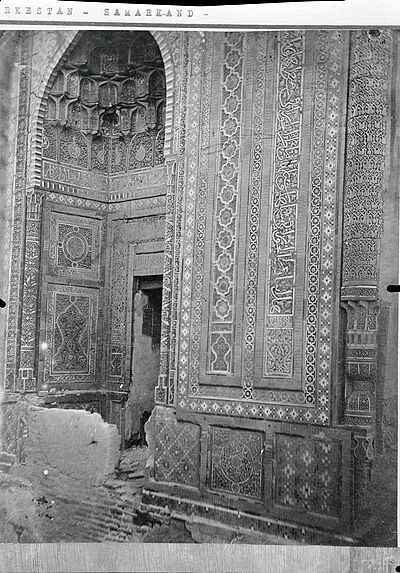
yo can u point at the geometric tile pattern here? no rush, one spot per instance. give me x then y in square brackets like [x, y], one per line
[309, 403]
[127, 74]
[18, 197]
[177, 450]
[255, 192]
[368, 113]
[70, 338]
[222, 273]
[75, 246]
[9, 428]
[70, 334]
[308, 474]
[236, 462]
[13, 428]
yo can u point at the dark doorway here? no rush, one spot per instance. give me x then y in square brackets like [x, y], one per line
[146, 335]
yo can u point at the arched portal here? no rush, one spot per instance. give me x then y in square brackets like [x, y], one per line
[65, 46]
[104, 112]
[95, 223]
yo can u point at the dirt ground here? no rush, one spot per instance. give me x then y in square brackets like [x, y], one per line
[131, 468]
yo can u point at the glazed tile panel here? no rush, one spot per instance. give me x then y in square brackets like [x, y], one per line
[308, 474]
[70, 334]
[265, 320]
[236, 462]
[75, 246]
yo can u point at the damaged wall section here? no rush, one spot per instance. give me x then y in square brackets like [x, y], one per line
[68, 481]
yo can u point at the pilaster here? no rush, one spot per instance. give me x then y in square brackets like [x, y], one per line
[366, 166]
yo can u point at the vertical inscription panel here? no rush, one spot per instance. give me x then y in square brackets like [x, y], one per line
[272, 227]
[75, 246]
[236, 462]
[70, 346]
[278, 353]
[368, 121]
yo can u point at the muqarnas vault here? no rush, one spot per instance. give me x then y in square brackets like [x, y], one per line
[240, 188]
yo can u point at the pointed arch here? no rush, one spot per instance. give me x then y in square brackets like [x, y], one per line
[71, 39]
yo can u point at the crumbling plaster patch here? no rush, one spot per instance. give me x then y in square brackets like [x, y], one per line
[73, 444]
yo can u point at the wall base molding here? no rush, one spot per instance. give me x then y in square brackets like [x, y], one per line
[242, 524]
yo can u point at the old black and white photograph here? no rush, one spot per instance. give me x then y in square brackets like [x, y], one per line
[198, 230]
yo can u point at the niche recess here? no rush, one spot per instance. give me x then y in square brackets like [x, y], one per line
[106, 107]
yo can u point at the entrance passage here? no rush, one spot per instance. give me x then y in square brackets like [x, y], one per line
[146, 334]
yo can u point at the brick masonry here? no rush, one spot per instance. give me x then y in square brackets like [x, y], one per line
[70, 459]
